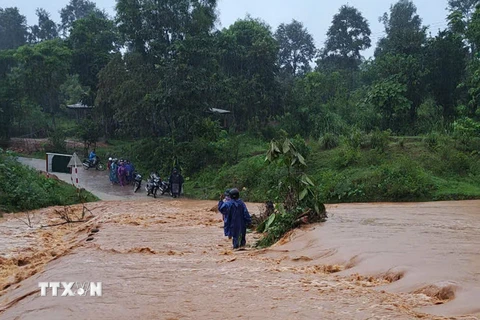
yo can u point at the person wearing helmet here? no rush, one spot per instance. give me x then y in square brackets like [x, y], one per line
[92, 158]
[237, 219]
[176, 182]
[224, 198]
[109, 163]
[113, 171]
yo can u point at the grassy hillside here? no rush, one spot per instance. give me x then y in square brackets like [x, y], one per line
[23, 188]
[359, 168]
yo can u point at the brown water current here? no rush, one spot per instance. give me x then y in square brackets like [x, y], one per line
[167, 259]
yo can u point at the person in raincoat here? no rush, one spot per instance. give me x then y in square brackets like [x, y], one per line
[92, 158]
[113, 171]
[237, 219]
[121, 171]
[128, 172]
[176, 182]
[221, 204]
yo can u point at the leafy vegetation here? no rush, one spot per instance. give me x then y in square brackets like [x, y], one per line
[22, 188]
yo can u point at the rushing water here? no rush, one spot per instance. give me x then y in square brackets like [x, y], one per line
[167, 259]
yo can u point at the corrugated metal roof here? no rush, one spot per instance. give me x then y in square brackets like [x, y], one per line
[78, 106]
[222, 111]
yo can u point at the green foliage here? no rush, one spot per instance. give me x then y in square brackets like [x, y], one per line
[347, 156]
[388, 97]
[347, 36]
[379, 140]
[297, 194]
[13, 28]
[89, 132]
[278, 228]
[297, 48]
[22, 188]
[404, 31]
[46, 29]
[57, 141]
[329, 141]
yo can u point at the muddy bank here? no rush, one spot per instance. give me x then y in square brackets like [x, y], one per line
[169, 260]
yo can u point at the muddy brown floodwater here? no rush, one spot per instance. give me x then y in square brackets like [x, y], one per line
[168, 259]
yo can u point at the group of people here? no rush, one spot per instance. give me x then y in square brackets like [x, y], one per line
[121, 171]
[236, 217]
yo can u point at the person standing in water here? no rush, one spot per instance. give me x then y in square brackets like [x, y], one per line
[237, 219]
[225, 197]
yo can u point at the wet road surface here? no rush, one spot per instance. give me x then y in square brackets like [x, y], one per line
[97, 182]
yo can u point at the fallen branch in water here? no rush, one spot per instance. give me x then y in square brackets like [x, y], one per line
[28, 220]
[63, 223]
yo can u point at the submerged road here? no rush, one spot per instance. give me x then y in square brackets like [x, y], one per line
[170, 260]
[97, 182]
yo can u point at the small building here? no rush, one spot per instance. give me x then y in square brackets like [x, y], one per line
[221, 114]
[81, 110]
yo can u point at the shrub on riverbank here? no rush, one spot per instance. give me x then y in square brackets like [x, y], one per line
[23, 188]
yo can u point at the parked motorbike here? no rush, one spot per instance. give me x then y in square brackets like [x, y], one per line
[164, 187]
[137, 182]
[152, 186]
[87, 164]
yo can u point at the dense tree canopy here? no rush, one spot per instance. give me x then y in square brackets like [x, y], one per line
[296, 48]
[46, 29]
[404, 31]
[13, 28]
[348, 35]
[158, 67]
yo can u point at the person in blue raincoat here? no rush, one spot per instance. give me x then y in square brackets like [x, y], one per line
[113, 172]
[92, 157]
[237, 219]
[223, 199]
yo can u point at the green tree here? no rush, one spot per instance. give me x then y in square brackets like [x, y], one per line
[348, 35]
[93, 41]
[43, 68]
[46, 29]
[13, 28]
[296, 48]
[8, 93]
[77, 9]
[248, 60]
[446, 57]
[465, 7]
[388, 97]
[404, 31]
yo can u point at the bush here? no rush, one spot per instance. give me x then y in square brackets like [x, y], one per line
[402, 181]
[347, 156]
[454, 161]
[22, 188]
[379, 140]
[57, 141]
[284, 222]
[465, 130]
[329, 141]
[433, 141]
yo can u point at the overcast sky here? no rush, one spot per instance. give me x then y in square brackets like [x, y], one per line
[316, 15]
